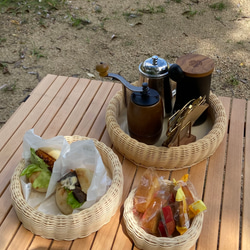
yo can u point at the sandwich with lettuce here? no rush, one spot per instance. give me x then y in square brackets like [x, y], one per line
[38, 172]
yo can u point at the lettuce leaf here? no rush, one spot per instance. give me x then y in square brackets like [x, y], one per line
[37, 160]
[42, 181]
[71, 200]
[37, 165]
[30, 169]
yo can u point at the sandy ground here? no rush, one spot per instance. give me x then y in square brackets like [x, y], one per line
[123, 34]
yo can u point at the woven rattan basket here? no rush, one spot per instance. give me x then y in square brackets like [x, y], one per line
[77, 225]
[161, 157]
[147, 241]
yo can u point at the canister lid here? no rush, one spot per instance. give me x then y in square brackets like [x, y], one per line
[154, 67]
[147, 97]
[195, 65]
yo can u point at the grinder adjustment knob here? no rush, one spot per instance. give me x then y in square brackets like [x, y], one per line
[102, 68]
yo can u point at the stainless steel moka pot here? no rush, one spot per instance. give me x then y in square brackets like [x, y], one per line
[156, 72]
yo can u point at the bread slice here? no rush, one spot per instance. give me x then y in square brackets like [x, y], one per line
[55, 153]
[32, 178]
[61, 200]
[85, 177]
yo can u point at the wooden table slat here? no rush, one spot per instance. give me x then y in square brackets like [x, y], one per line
[213, 193]
[8, 229]
[55, 103]
[88, 120]
[39, 243]
[246, 192]
[5, 204]
[230, 218]
[97, 128]
[122, 241]
[61, 245]
[79, 110]
[21, 240]
[178, 174]
[9, 169]
[86, 242]
[66, 108]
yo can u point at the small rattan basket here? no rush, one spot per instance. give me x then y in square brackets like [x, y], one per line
[163, 158]
[147, 241]
[77, 225]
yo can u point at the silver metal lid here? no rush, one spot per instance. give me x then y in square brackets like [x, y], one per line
[154, 67]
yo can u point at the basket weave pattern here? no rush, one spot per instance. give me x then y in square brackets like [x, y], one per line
[78, 225]
[161, 157]
[147, 241]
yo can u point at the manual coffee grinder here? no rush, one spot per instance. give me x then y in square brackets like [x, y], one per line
[144, 109]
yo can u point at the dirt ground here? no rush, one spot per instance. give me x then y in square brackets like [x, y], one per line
[70, 41]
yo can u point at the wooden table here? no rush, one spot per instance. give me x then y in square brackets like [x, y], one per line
[66, 106]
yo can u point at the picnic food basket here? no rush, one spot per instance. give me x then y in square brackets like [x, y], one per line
[164, 158]
[77, 225]
[146, 241]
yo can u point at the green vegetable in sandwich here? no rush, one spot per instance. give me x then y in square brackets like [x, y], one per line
[39, 171]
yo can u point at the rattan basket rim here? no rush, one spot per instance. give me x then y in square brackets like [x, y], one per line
[143, 240]
[163, 158]
[76, 225]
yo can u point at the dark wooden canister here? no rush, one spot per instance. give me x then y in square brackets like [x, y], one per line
[196, 82]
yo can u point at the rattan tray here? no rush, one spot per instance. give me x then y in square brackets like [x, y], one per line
[147, 241]
[164, 158]
[77, 225]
